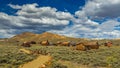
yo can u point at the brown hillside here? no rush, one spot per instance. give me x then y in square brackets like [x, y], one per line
[29, 36]
[23, 37]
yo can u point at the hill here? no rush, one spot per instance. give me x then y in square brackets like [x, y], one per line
[29, 36]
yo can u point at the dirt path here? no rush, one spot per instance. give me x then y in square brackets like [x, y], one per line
[25, 51]
[38, 62]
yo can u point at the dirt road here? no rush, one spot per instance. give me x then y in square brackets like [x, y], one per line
[38, 62]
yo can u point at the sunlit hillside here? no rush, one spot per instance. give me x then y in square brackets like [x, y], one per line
[28, 36]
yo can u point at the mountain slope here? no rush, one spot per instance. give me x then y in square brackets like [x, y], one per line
[29, 36]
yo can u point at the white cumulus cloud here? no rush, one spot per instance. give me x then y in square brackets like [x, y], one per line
[102, 8]
[31, 17]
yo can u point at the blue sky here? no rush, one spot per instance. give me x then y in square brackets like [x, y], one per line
[62, 5]
[73, 18]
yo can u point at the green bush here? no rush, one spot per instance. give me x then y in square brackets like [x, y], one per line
[92, 57]
[55, 64]
[11, 57]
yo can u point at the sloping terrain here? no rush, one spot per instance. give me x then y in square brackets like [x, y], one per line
[28, 36]
[53, 38]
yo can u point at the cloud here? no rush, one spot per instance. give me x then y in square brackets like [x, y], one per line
[14, 6]
[90, 29]
[80, 30]
[32, 11]
[85, 27]
[109, 25]
[32, 18]
[45, 15]
[102, 8]
[4, 33]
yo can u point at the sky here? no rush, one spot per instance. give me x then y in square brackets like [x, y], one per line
[72, 18]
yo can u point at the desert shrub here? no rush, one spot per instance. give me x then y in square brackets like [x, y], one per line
[11, 57]
[56, 64]
[92, 57]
